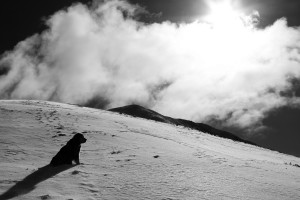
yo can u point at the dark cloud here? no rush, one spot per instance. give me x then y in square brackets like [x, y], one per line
[4, 69]
[99, 102]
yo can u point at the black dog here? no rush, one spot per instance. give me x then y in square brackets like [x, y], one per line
[69, 152]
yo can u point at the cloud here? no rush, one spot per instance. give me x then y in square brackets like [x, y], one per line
[199, 71]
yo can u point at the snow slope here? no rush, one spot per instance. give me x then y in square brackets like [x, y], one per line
[131, 158]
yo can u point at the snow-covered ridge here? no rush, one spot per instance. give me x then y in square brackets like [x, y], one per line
[131, 158]
[139, 111]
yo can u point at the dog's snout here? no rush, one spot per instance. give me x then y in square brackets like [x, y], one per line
[83, 140]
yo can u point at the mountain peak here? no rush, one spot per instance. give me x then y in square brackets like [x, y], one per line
[139, 111]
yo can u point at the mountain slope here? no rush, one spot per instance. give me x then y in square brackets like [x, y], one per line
[131, 158]
[139, 111]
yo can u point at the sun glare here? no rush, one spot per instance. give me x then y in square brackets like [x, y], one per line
[223, 14]
[230, 30]
[230, 26]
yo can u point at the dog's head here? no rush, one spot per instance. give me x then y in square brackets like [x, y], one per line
[77, 139]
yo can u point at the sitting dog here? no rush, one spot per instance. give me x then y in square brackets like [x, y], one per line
[69, 152]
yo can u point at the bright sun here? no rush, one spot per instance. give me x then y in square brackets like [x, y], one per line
[230, 30]
[222, 14]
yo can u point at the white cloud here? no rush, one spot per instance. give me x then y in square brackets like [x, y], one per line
[194, 71]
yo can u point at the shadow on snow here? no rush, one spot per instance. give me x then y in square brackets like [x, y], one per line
[29, 182]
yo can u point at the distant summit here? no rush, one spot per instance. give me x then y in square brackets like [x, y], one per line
[139, 111]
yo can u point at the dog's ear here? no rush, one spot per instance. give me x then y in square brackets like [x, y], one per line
[77, 136]
[75, 139]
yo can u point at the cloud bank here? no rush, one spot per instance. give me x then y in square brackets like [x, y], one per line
[200, 71]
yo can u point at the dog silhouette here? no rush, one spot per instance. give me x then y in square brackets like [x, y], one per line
[70, 152]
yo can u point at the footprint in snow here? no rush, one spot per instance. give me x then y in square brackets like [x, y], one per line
[59, 135]
[75, 172]
[115, 152]
[45, 197]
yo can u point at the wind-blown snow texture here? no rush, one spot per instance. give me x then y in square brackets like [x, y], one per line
[131, 158]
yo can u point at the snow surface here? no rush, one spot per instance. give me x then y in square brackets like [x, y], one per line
[131, 158]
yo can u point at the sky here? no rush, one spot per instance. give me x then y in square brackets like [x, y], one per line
[233, 64]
